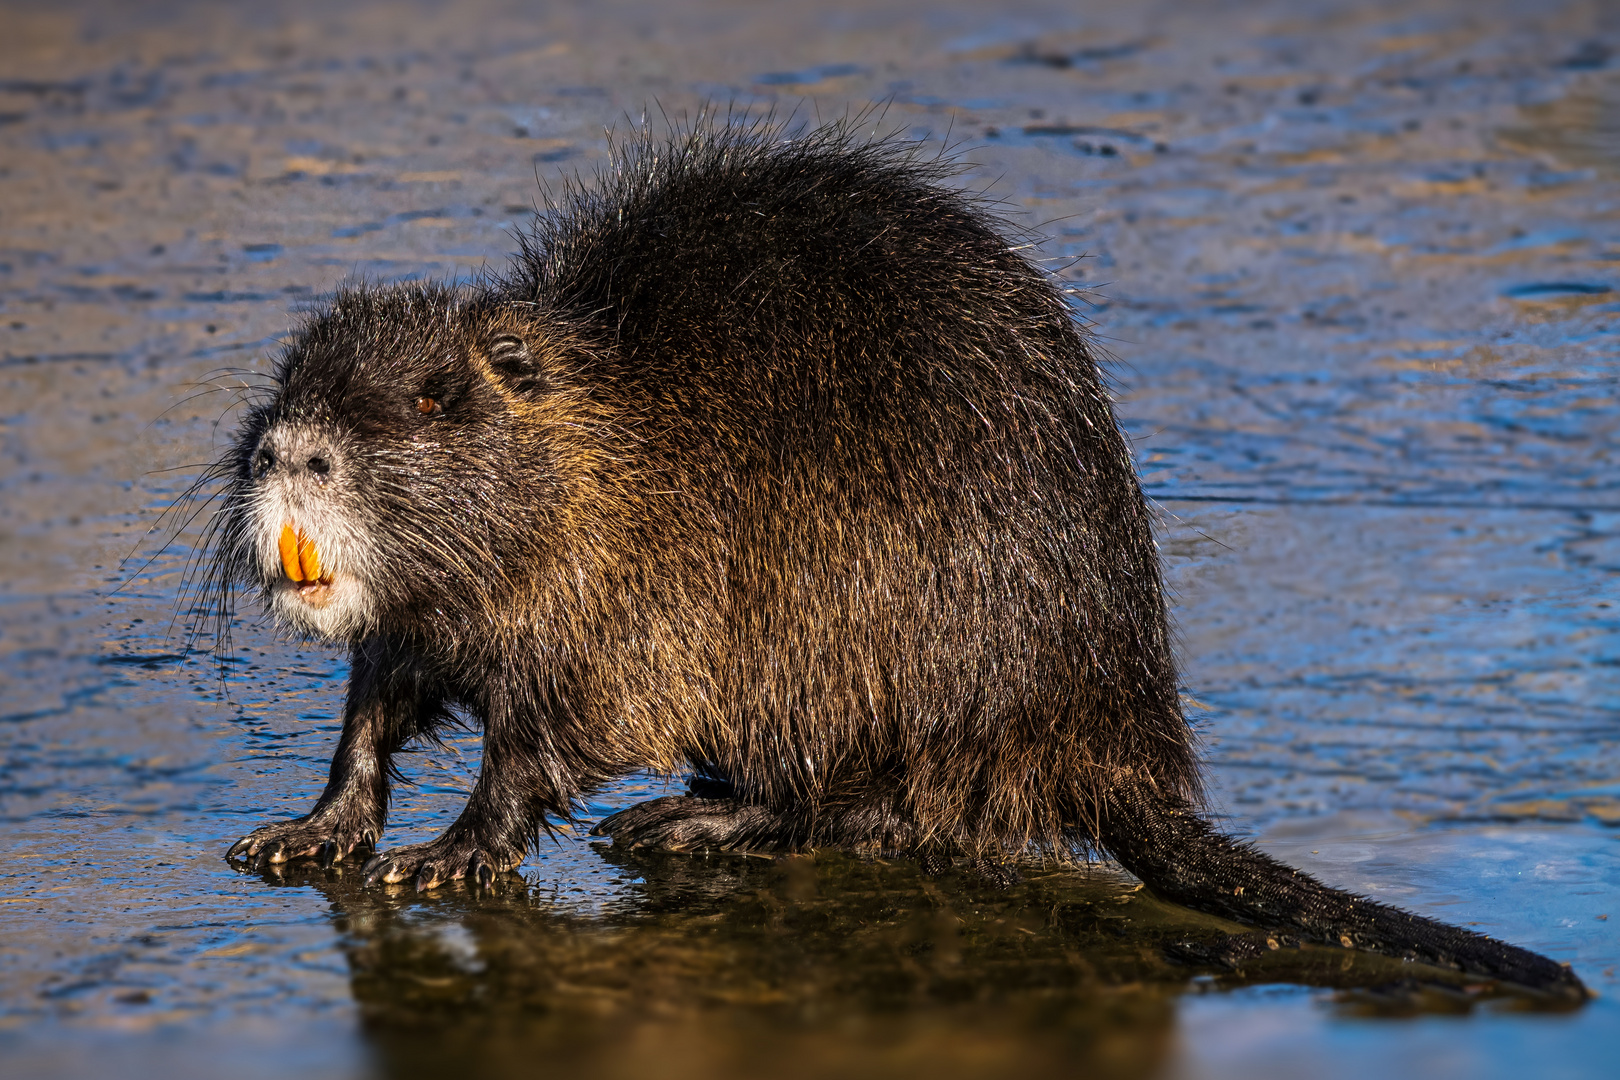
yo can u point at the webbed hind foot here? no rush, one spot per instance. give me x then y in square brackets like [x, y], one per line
[692, 823]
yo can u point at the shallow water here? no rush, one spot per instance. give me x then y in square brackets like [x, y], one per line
[1358, 267]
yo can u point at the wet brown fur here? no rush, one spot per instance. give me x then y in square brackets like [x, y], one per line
[804, 480]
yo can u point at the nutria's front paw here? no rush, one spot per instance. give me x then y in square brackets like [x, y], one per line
[327, 839]
[448, 858]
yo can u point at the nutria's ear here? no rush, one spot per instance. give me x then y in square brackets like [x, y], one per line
[514, 364]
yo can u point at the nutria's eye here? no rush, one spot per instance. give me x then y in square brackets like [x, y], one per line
[428, 407]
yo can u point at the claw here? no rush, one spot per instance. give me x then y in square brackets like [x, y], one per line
[242, 847]
[329, 854]
[376, 871]
[482, 874]
[427, 877]
[275, 852]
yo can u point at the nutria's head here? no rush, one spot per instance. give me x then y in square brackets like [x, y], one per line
[397, 464]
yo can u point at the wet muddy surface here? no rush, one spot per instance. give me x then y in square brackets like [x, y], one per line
[1359, 266]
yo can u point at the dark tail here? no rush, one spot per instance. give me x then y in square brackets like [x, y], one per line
[1176, 853]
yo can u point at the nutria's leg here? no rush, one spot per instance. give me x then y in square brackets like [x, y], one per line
[518, 784]
[389, 703]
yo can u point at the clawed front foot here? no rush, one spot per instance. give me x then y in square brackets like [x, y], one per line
[328, 840]
[449, 858]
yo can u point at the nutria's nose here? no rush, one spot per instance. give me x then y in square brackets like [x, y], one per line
[296, 452]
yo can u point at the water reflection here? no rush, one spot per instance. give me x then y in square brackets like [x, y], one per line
[809, 966]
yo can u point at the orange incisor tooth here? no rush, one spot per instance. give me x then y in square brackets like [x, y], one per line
[288, 545]
[299, 558]
[309, 558]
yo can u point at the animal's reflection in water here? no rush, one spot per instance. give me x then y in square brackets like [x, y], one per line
[804, 966]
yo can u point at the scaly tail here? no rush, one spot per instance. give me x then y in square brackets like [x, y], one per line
[1174, 851]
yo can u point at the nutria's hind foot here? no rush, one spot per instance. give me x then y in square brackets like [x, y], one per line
[327, 838]
[449, 858]
[691, 823]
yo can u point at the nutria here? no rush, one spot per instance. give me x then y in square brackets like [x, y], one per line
[773, 460]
